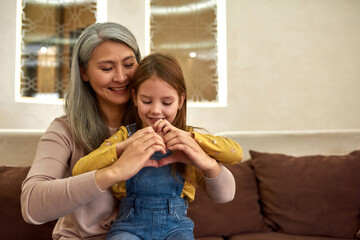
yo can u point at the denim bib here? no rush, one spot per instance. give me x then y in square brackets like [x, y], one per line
[153, 208]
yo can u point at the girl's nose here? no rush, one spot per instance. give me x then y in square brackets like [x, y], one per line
[155, 109]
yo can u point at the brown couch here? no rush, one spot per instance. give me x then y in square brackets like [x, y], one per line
[278, 196]
[285, 197]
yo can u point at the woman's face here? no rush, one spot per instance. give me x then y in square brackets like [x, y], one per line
[156, 99]
[110, 69]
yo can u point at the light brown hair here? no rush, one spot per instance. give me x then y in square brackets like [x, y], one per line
[168, 69]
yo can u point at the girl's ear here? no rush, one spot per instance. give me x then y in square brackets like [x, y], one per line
[83, 73]
[181, 101]
[134, 96]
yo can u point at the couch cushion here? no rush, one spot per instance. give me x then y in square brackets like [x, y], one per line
[226, 219]
[210, 238]
[279, 236]
[12, 225]
[310, 195]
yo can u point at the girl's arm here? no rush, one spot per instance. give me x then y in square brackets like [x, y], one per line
[111, 149]
[106, 155]
[217, 180]
[103, 156]
[224, 150]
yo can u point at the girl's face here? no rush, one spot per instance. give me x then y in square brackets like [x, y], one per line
[156, 100]
[110, 69]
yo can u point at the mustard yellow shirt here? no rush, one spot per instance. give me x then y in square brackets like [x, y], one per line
[224, 150]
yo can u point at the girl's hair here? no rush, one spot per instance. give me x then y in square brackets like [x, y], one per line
[81, 106]
[168, 70]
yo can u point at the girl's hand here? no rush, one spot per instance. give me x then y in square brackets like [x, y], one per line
[186, 149]
[121, 146]
[135, 157]
[163, 127]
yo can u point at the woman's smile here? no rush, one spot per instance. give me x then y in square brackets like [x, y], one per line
[119, 89]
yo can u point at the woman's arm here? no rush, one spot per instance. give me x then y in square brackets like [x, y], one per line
[48, 192]
[220, 189]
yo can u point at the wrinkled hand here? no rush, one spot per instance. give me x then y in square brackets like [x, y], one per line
[139, 149]
[135, 157]
[186, 149]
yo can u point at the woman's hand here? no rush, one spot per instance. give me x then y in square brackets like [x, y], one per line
[186, 149]
[135, 157]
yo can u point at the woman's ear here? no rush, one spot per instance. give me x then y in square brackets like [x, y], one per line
[83, 73]
[181, 101]
[134, 97]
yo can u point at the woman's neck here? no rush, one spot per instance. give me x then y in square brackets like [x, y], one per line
[113, 115]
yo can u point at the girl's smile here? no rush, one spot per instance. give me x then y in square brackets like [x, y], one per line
[156, 100]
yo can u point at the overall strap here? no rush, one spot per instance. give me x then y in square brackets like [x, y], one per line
[131, 129]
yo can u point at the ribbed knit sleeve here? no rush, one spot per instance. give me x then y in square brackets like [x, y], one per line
[221, 188]
[49, 191]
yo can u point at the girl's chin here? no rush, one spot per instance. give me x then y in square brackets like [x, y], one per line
[149, 122]
[153, 121]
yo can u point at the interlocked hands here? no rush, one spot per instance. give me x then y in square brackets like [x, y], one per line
[135, 152]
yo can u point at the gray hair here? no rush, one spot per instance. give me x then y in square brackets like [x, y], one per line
[81, 107]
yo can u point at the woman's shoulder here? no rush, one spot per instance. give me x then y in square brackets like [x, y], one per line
[59, 127]
[59, 123]
[60, 132]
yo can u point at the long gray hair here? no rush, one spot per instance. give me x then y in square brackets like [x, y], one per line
[81, 106]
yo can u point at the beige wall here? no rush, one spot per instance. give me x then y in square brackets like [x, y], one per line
[292, 65]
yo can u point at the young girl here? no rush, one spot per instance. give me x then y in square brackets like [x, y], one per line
[153, 203]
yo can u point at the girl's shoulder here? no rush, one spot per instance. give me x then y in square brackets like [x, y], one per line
[197, 129]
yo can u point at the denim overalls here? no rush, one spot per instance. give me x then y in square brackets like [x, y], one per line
[153, 208]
